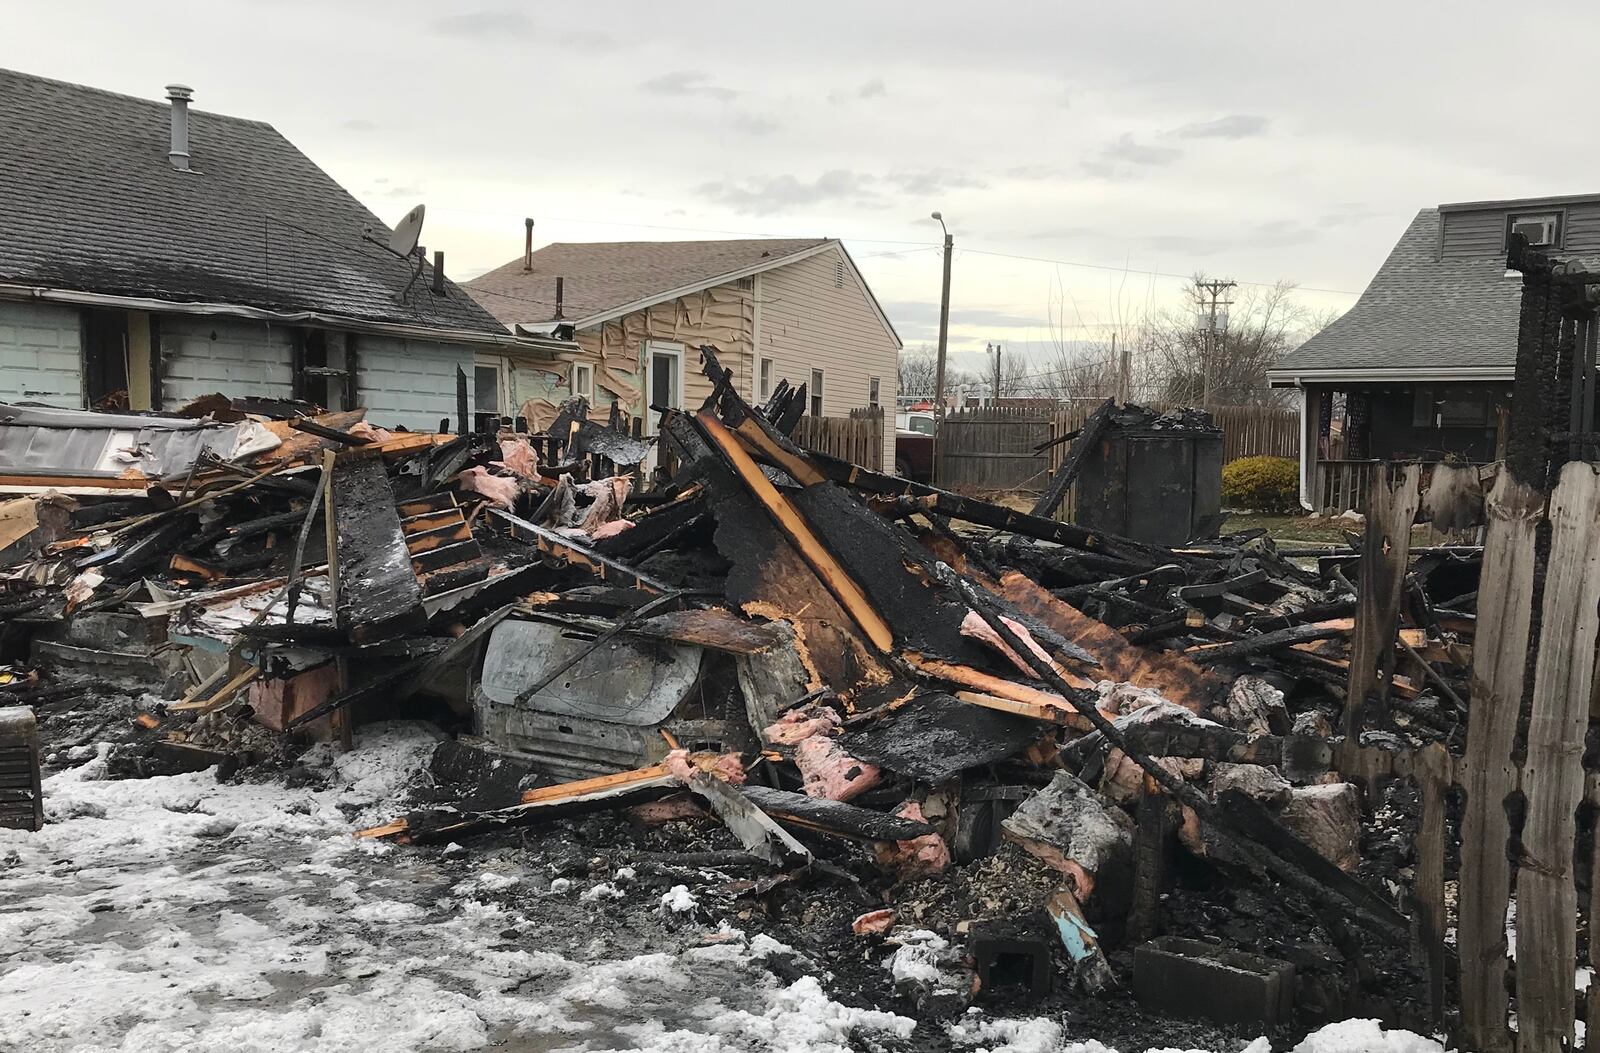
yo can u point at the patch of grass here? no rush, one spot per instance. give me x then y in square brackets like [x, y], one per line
[1287, 528]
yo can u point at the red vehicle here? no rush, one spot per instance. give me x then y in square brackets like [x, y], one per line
[913, 445]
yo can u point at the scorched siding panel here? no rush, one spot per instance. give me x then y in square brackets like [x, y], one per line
[41, 356]
[205, 356]
[411, 383]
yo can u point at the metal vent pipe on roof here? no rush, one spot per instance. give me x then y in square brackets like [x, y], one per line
[527, 250]
[179, 95]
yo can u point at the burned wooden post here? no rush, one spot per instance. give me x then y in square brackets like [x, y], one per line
[1552, 775]
[1384, 556]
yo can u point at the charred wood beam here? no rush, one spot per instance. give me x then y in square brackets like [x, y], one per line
[1088, 435]
[1210, 655]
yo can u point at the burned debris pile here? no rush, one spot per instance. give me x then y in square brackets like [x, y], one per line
[916, 724]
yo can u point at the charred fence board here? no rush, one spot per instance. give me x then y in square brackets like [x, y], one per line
[1552, 777]
[1505, 611]
[1390, 512]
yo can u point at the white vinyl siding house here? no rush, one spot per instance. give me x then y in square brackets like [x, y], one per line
[812, 317]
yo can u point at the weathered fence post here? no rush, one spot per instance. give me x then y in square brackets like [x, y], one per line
[1552, 774]
[1499, 660]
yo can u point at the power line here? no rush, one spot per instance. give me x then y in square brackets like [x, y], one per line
[1137, 270]
[684, 230]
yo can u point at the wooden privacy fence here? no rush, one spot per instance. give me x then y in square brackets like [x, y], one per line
[993, 449]
[857, 438]
[1524, 759]
[1253, 431]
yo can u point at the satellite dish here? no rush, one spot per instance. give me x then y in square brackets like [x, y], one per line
[407, 232]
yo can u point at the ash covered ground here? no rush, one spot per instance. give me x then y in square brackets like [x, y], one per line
[188, 912]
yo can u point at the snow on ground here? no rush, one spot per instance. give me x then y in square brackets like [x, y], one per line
[179, 914]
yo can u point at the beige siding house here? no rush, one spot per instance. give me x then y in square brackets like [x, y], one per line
[794, 309]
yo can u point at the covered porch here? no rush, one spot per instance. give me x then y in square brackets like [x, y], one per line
[1350, 427]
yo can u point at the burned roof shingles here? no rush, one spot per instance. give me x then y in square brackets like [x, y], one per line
[90, 203]
[1422, 312]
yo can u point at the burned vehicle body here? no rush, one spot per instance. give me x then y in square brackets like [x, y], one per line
[620, 704]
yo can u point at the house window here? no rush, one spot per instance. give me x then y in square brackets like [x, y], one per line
[582, 381]
[490, 396]
[816, 392]
[1452, 406]
[664, 384]
[118, 361]
[764, 379]
[872, 391]
[1542, 229]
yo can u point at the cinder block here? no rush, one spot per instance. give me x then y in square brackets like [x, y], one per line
[21, 801]
[1188, 978]
[1011, 962]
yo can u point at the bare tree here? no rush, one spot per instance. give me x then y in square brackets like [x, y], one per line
[919, 369]
[1263, 324]
[1095, 357]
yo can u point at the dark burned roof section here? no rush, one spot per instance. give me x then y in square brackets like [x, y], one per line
[1422, 313]
[90, 203]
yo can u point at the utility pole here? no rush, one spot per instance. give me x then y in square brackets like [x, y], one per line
[995, 349]
[1215, 289]
[944, 341]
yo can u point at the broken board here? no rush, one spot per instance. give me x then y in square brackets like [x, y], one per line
[378, 591]
[935, 737]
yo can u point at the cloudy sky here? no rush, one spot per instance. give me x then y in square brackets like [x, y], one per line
[1085, 156]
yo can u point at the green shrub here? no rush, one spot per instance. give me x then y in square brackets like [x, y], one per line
[1261, 484]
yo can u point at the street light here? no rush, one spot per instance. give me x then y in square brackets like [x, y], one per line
[944, 339]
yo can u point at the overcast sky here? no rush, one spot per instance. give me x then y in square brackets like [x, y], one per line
[1267, 141]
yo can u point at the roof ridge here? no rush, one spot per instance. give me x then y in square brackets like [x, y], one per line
[155, 104]
[691, 241]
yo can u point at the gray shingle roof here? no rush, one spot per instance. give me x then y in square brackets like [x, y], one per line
[89, 202]
[1420, 312]
[599, 277]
